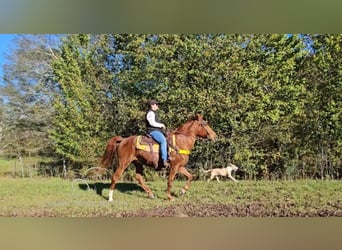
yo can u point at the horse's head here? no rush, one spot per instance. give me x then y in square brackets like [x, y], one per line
[203, 129]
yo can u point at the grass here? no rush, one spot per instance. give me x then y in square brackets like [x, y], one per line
[6, 165]
[64, 198]
[27, 167]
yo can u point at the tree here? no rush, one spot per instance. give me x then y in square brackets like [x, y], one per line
[27, 94]
[322, 131]
[79, 124]
[273, 99]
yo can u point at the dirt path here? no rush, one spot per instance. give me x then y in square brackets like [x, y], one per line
[221, 210]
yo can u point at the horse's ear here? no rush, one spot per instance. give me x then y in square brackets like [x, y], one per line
[198, 116]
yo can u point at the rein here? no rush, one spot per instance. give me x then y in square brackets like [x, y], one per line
[181, 133]
[184, 151]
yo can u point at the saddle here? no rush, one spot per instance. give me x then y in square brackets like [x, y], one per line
[146, 143]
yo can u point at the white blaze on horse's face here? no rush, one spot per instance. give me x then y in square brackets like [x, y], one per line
[210, 132]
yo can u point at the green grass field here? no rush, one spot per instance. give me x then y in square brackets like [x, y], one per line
[45, 197]
[6, 165]
[27, 167]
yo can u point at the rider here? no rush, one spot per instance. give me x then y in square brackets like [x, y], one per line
[156, 129]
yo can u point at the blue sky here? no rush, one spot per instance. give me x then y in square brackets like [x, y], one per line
[6, 42]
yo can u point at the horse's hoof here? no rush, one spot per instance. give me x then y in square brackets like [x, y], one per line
[182, 191]
[151, 196]
[110, 200]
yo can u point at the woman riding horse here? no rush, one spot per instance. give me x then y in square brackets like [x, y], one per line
[156, 129]
[181, 142]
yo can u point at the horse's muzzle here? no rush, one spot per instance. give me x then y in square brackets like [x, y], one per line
[213, 137]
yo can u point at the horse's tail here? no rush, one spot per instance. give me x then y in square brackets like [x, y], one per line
[108, 156]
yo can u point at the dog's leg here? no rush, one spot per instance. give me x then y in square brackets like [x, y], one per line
[211, 177]
[217, 178]
[231, 177]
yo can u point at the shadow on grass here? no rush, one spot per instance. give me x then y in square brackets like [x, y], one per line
[99, 187]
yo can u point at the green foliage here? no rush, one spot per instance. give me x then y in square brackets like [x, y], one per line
[79, 124]
[273, 99]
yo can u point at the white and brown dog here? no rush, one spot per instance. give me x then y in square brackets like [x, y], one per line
[227, 171]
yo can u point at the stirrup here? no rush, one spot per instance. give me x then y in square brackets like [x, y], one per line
[166, 164]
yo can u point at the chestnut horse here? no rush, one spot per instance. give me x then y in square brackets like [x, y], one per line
[180, 141]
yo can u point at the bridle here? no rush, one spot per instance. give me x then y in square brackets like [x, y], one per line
[202, 123]
[172, 143]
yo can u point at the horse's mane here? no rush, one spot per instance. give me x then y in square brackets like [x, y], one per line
[185, 126]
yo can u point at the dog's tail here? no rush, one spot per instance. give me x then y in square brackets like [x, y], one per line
[207, 171]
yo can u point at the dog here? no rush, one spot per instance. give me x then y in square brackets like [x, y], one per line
[227, 171]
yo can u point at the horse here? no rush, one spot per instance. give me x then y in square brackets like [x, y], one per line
[180, 143]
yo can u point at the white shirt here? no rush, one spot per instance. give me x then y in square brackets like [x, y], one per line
[152, 120]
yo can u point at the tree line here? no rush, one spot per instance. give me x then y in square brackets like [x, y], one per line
[273, 99]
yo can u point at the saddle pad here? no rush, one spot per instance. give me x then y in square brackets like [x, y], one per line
[146, 147]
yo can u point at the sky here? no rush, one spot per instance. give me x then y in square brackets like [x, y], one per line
[6, 42]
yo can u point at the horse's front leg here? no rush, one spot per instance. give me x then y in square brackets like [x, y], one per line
[172, 174]
[189, 177]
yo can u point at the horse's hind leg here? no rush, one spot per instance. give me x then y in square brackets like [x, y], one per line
[116, 177]
[139, 177]
[189, 177]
